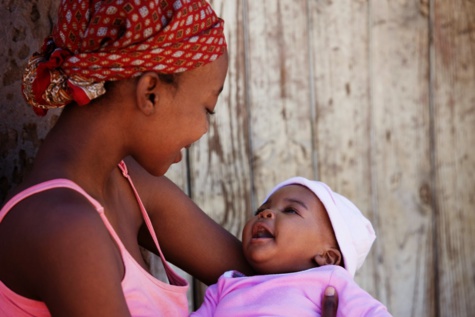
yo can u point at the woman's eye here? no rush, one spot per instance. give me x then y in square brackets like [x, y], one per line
[258, 211]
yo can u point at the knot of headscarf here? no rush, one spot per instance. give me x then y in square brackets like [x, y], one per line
[98, 41]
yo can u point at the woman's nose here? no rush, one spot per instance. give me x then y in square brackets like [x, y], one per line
[267, 213]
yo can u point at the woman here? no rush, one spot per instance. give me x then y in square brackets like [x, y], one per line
[139, 81]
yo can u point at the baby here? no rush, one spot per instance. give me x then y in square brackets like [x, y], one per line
[303, 238]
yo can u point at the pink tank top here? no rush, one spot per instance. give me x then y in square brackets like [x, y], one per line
[145, 295]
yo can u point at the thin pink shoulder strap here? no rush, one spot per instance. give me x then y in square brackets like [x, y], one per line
[172, 276]
[61, 183]
[54, 183]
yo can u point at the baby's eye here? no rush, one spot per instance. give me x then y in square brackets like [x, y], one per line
[290, 211]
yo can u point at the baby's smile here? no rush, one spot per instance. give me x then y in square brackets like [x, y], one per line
[261, 231]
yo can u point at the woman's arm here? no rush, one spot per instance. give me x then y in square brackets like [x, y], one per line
[188, 237]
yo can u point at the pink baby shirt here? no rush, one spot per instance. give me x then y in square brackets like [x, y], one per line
[291, 294]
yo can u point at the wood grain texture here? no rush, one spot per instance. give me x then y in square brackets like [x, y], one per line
[24, 25]
[342, 131]
[453, 50]
[399, 55]
[280, 108]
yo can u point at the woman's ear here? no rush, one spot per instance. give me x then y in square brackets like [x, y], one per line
[329, 256]
[147, 92]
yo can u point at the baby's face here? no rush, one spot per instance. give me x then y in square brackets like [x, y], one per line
[287, 232]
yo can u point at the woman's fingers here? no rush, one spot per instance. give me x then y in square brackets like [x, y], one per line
[329, 302]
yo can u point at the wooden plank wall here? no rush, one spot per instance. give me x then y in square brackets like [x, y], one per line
[374, 97]
[453, 154]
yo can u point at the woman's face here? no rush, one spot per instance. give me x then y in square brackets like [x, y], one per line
[182, 114]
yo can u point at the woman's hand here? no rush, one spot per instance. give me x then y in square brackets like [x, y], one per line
[329, 302]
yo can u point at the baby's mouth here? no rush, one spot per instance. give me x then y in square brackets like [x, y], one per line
[261, 232]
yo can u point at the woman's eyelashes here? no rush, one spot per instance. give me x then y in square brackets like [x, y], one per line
[258, 211]
[209, 114]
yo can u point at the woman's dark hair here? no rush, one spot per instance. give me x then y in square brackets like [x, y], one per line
[171, 79]
[168, 78]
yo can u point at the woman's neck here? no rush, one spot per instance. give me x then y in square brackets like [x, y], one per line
[82, 148]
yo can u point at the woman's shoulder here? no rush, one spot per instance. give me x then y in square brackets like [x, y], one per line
[51, 232]
[47, 218]
[49, 202]
[58, 250]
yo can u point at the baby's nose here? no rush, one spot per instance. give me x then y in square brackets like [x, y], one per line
[267, 213]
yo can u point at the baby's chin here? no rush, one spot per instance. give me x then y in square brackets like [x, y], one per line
[271, 267]
[267, 268]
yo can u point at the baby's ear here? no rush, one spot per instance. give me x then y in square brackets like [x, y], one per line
[329, 256]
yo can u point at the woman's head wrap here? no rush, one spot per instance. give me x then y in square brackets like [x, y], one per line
[97, 41]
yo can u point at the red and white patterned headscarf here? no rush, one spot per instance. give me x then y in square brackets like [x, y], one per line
[97, 41]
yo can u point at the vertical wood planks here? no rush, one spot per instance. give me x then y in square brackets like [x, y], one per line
[280, 113]
[340, 58]
[400, 153]
[453, 49]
